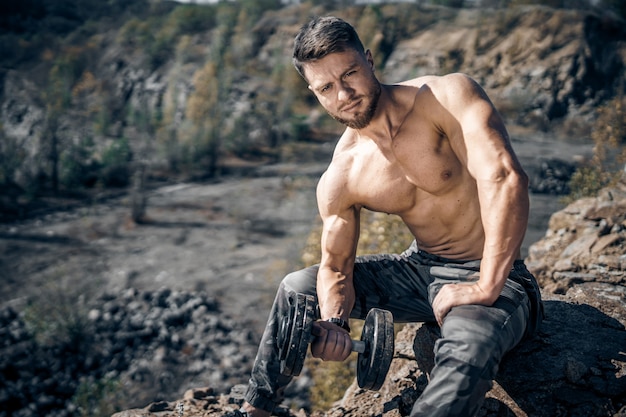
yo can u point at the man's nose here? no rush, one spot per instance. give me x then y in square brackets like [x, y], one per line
[345, 92]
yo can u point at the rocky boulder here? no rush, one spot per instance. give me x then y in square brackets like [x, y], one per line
[583, 252]
[575, 367]
[130, 347]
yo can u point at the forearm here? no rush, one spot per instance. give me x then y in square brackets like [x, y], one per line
[335, 289]
[335, 292]
[504, 210]
[340, 234]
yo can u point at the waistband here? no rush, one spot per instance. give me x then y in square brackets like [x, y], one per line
[441, 260]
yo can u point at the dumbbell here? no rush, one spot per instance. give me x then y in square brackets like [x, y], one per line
[375, 348]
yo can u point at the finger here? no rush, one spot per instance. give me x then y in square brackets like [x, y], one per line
[347, 347]
[340, 346]
[318, 345]
[442, 312]
[438, 318]
[439, 312]
[440, 308]
[332, 347]
[435, 308]
[316, 329]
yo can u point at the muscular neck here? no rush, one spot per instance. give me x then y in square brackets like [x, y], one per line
[394, 105]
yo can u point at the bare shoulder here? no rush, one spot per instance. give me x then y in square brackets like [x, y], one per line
[454, 101]
[333, 189]
[420, 81]
[456, 78]
[455, 86]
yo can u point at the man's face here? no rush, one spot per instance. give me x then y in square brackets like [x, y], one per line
[345, 85]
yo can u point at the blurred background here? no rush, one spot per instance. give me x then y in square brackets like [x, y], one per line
[158, 163]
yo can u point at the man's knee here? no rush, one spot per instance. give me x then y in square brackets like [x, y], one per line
[473, 359]
[487, 330]
[456, 388]
[474, 335]
[463, 373]
[302, 281]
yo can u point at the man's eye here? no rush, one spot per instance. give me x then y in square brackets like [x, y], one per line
[325, 88]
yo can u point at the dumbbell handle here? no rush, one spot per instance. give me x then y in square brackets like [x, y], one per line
[358, 346]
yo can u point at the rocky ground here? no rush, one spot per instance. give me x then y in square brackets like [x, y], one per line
[225, 237]
[173, 303]
[91, 298]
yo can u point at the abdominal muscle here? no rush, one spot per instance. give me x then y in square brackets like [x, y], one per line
[466, 244]
[448, 232]
[447, 224]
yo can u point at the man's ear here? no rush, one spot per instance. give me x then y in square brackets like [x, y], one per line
[370, 59]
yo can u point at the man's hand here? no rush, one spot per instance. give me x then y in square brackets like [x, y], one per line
[452, 295]
[331, 343]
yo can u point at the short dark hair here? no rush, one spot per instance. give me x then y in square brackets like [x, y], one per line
[323, 36]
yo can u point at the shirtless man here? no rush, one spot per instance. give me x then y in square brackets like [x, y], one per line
[434, 151]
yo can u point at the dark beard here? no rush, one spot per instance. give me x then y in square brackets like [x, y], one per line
[362, 119]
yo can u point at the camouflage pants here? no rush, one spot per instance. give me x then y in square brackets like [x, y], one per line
[473, 339]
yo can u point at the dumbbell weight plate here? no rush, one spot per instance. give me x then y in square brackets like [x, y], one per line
[373, 364]
[284, 333]
[295, 334]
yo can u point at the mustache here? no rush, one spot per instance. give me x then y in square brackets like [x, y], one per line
[350, 103]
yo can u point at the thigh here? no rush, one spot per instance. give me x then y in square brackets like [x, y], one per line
[481, 334]
[303, 281]
[398, 283]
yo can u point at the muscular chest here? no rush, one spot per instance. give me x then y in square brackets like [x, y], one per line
[427, 159]
[412, 170]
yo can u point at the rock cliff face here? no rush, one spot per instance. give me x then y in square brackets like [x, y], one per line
[543, 64]
[539, 65]
[575, 366]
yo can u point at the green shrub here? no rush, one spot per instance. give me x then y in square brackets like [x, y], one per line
[97, 398]
[192, 18]
[135, 33]
[12, 156]
[57, 316]
[607, 164]
[141, 36]
[115, 171]
[330, 380]
[586, 182]
[77, 166]
[57, 319]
